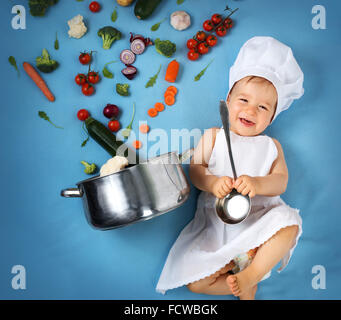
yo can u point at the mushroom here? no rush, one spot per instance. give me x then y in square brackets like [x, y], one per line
[180, 20]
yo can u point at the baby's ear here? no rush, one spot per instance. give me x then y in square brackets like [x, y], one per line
[228, 98]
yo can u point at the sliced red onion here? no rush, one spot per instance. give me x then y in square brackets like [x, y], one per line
[137, 46]
[130, 72]
[127, 56]
[137, 36]
[148, 42]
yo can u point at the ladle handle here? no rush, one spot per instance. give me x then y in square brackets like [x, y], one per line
[224, 114]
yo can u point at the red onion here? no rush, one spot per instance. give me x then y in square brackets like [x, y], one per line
[129, 72]
[127, 56]
[111, 111]
[137, 46]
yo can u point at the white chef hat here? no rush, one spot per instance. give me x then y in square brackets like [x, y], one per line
[271, 59]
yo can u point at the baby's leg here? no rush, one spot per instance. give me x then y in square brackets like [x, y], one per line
[267, 256]
[215, 284]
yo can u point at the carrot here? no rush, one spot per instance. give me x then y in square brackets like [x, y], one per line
[172, 88]
[144, 128]
[169, 100]
[38, 80]
[152, 112]
[159, 106]
[172, 71]
[137, 144]
[169, 93]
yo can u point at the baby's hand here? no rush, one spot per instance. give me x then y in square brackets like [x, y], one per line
[222, 186]
[246, 185]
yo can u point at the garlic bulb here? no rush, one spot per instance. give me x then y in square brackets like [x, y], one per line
[180, 20]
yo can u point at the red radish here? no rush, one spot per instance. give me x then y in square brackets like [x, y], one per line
[129, 72]
[127, 56]
[137, 46]
[111, 111]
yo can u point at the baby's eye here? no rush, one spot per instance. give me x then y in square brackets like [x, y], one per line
[262, 107]
[244, 100]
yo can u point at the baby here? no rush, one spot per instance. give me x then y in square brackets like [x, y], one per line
[212, 257]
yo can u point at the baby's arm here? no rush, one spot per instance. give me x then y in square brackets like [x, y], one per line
[199, 174]
[275, 183]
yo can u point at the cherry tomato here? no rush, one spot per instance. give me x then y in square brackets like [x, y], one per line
[221, 31]
[94, 6]
[93, 77]
[203, 48]
[201, 36]
[84, 58]
[192, 43]
[216, 18]
[228, 23]
[211, 40]
[114, 125]
[192, 55]
[80, 79]
[88, 89]
[208, 25]
[83, 114]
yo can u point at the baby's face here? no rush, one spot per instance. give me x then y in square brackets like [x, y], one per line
[251, 106]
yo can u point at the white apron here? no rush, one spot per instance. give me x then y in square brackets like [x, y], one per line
[207, 244]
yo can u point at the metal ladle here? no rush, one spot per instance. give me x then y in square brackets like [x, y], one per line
[235, 207]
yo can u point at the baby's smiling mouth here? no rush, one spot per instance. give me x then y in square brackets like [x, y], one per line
[246, 123]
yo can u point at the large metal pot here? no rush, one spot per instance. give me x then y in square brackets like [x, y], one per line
[136, 193]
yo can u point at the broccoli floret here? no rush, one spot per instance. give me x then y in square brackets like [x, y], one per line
[165, 47]
[38, 7]
[89, 168]
[122, 89]
[109, 35]
[45, 64]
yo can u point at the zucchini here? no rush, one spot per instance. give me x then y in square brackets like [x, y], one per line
[144, 8]
[104, 137]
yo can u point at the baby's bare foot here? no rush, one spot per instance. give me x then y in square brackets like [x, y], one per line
[242, 282]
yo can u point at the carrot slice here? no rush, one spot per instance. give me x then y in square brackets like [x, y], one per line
[169, 100]
[137, 144]
[169, 93]
[152, 112]
[159, 106]
[144, 128]
[172, 88]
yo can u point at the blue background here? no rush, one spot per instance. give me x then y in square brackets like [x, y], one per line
[64, 257]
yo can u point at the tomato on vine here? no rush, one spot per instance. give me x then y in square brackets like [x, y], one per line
[192, 55]
[192, 43]
[211, 40]
[80, 79]
[203, 48]
[93, 77]
[208, 25]
[221, 31]
[216, 18]
[201, 36]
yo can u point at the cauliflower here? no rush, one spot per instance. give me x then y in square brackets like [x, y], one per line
[180, 20]
[77, 27]
[113, 165]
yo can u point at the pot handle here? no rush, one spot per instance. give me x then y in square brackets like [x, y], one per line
[186, 155]
[71, 193]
